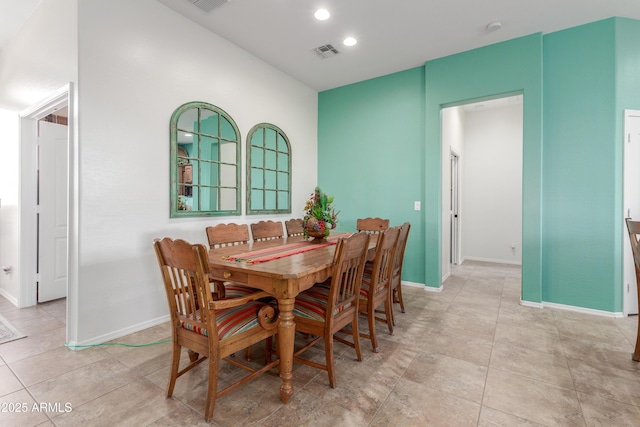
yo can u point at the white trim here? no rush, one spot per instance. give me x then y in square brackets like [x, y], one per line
[9, 297]
[445, 277]
[531, 304]
[494, 261]
[573, 308]
[118, 334]
[592, 311]
[413, 284]
[630, 207]
[57, 100]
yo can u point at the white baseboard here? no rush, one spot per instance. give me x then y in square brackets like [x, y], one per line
[494, 261]
[81, 345]
[573, 308]
[583, 310]
[445, 277]
[9, 297]
[531, 304]
[422, 286]
[413, 284]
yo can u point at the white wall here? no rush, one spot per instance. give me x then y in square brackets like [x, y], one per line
[136, 62]
[139, 61]
[452, 139]
[39, 60]
[492, 192]
[9, 213]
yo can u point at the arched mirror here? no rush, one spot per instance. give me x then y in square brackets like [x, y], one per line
[268, 170]
[205, 161]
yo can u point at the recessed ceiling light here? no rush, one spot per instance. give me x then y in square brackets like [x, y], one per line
[322, 14]
[349, 41]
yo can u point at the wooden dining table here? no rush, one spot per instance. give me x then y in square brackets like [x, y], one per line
[284, 278]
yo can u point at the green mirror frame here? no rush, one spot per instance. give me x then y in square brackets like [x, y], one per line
[204, 162]
[268, 170]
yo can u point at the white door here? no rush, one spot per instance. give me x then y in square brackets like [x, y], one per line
[52, 211]
[631, 205]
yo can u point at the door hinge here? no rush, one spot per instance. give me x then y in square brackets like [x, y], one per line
[36, 277]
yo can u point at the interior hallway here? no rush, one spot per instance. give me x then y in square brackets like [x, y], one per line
[468, 356]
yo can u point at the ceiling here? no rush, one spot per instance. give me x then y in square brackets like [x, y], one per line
[393, 35]
[13, 14]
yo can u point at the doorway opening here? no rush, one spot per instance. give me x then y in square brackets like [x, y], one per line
[482, 182]
[51, 201]
[45, 146]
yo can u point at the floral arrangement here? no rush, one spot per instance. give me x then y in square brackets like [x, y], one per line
[319, 215]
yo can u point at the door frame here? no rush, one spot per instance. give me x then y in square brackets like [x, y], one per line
[28, 192]
[628, 262]
[455, 243]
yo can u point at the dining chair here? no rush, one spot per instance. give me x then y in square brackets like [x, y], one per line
[322, 312]
[266, 230]
[223, 235]
[633, 227]
[207, 328]
[372, 225]
[398, 262]
[375, 290]
[220, 236]
[294, 227]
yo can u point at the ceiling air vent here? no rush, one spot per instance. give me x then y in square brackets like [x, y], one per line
[326, 51]
[208, 5]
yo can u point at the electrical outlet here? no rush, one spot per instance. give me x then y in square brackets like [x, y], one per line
[416, 206]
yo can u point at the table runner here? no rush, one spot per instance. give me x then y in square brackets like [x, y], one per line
[281, 251]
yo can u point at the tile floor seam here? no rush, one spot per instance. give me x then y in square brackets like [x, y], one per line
[422, 310]
[493, 343]
[26, 389]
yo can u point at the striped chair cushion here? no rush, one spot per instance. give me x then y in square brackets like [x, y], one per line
[366, 283]
[230, 321]
[368, 268]
[231, 290]
[313, 303]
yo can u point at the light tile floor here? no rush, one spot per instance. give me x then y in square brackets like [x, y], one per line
[468, 356]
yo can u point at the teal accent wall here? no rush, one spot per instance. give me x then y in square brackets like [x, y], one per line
[627, 34]
[582, 169]
[379, 150]
[371, 155]
[514, 66]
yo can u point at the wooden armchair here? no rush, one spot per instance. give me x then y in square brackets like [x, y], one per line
[634, 232]
[294, 227]
[266, 230]
[322, 311]
[209, 329]
[398, 261]
[375, 290]
[372, 225]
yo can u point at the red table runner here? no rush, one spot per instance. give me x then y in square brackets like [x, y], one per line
[276, 252]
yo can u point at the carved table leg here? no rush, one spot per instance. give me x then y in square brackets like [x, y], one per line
[286, 338]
